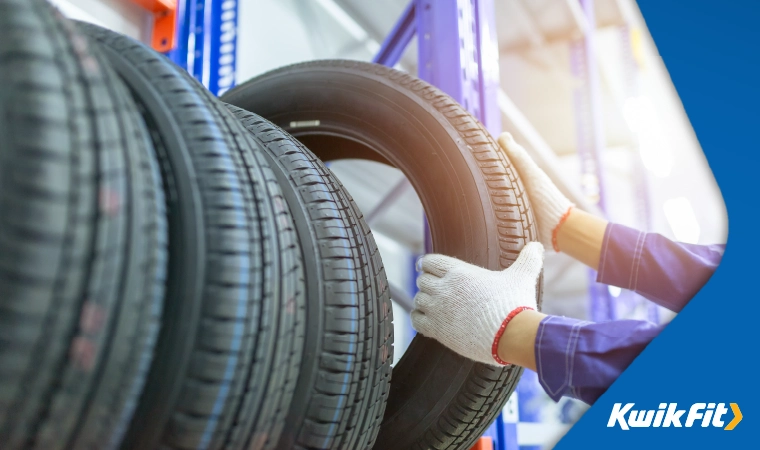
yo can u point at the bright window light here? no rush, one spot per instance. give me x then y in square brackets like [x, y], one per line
[656, 154]
[638, 113]
[682, 220]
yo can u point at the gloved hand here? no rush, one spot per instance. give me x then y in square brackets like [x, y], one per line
[550, 207]
[466, 308]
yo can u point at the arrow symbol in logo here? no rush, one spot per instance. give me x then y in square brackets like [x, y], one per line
[737, 417]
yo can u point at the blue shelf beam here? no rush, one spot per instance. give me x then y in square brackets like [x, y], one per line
[394, 45]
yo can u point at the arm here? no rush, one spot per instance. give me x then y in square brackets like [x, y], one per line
[489, 316]
[666, 272]
[574, 358]
[581, 236]
[582, 359]
[517, 343]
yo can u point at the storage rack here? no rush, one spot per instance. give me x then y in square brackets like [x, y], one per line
[458, 53]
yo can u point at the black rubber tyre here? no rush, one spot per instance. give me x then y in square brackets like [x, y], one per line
[82, 238]
[234, 300]
[476, 206]
[345, 374]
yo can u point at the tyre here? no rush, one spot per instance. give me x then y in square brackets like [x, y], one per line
[82, 238]
[345, 374]
[475, 204]
[234, 303]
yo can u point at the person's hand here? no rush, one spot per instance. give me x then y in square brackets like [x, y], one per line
[466, 308]
[550, 207]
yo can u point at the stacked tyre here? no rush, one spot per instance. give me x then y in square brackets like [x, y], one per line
[83, 238]
[476, 207]
[177, 272]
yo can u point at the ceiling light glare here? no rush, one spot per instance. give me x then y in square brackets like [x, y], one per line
[642, 118]
[682, 220]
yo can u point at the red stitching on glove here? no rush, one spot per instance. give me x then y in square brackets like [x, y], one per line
[556, 229]
[495, 346]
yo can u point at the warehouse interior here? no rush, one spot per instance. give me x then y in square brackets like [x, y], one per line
[654, 174]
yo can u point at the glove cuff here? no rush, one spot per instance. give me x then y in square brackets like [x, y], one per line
[555, 231]
[500, 331]
[550, 212]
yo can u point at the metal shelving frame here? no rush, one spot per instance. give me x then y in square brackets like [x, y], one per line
[458, 53]
[207, 41]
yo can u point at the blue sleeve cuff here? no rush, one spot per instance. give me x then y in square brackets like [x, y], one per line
[621, 255]
[582, 359]
[556, 342]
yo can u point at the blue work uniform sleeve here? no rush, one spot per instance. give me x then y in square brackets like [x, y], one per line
[582, 359]
[666, 272]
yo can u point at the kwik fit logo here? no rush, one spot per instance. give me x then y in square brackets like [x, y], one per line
[668, 415]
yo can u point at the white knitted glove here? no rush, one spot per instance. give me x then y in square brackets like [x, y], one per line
[550, 207]
[466, 308]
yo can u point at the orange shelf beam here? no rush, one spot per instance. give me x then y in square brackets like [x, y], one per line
[484, 443]
[164, 22]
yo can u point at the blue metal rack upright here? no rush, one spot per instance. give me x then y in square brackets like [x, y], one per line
[590, 132]
[458, 53]
[207, 41]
